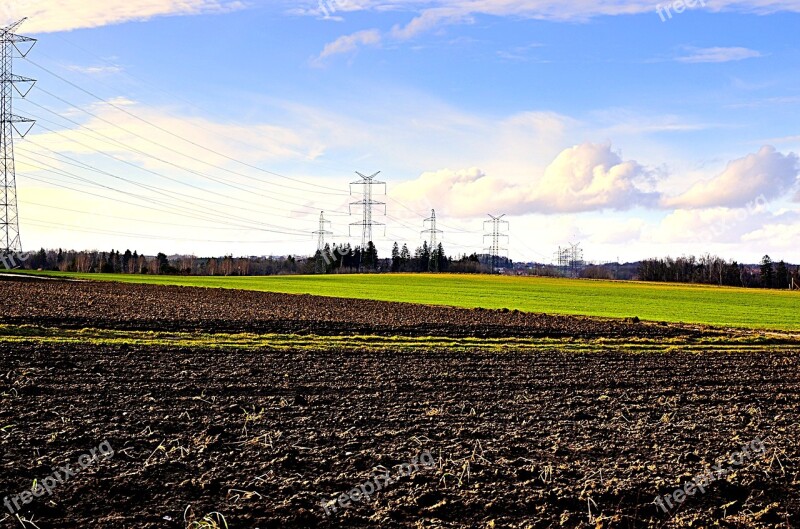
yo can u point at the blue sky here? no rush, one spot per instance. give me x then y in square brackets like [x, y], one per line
[583, 121]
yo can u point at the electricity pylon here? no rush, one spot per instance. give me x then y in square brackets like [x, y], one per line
[366, 203]
[9, 122]
[321, 233]
[433, 262]
[495, 248]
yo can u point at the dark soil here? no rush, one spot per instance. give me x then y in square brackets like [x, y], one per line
[167, 308]
[262, 436]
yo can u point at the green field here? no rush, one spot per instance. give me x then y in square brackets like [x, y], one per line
[649, 301]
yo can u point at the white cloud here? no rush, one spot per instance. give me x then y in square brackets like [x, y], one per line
[782, 233]
[47, 16]
[633, 122]
[766, 172]
[458, 193]
[587, 177]
[122, 135]
[718, 55]
[591, 177]
[431, 15]
[520, 53]
[712, 225]
[431, 19]
[95, 70]
[560, 10]
[347, 44]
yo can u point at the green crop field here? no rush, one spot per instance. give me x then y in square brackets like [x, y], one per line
[649, 301]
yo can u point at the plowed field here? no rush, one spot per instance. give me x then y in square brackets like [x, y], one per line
[266, 408]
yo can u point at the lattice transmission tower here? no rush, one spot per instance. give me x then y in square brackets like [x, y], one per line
[433, 262]
[322, 232]
[366, 203]
[497, 226]
[10, 43]
[322, 259]
[570, 259]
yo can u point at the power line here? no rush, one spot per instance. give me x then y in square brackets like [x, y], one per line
[186, 140]
[148, 200]
[108, 140]
[497, 224]
[322, 259]
[139, 220]
[153, 86]
[570, 259]
[73, 227]
[433, 261]
[451, 228]
[322, 232]
[9, 123]
[158, 190]
[366, 204]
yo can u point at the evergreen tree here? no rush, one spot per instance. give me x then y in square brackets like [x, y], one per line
[433, 261]
[441, 259]
[40, 260]
[350, 257]
[370, 258]
[105, 263]
[396, 258]
[767, 272]
[327, 258]
[423, 256]
[782, 278]
[405, 258]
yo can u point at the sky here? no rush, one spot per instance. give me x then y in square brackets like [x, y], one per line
[216, 127]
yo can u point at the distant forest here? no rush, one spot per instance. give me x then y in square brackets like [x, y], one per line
[344, 259]
[712, 270]
[337, 259]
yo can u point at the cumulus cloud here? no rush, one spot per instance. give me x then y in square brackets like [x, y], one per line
[347, 44]
[767, 172]
[459, 193]
[718, 55]
[587, 177]
[591, 177]
[47, 16]
[712, 225]
[781, 231]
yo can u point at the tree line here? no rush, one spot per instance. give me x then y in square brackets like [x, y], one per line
[115, 262]
[346, 259]
[338, 259]
[713, 270]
